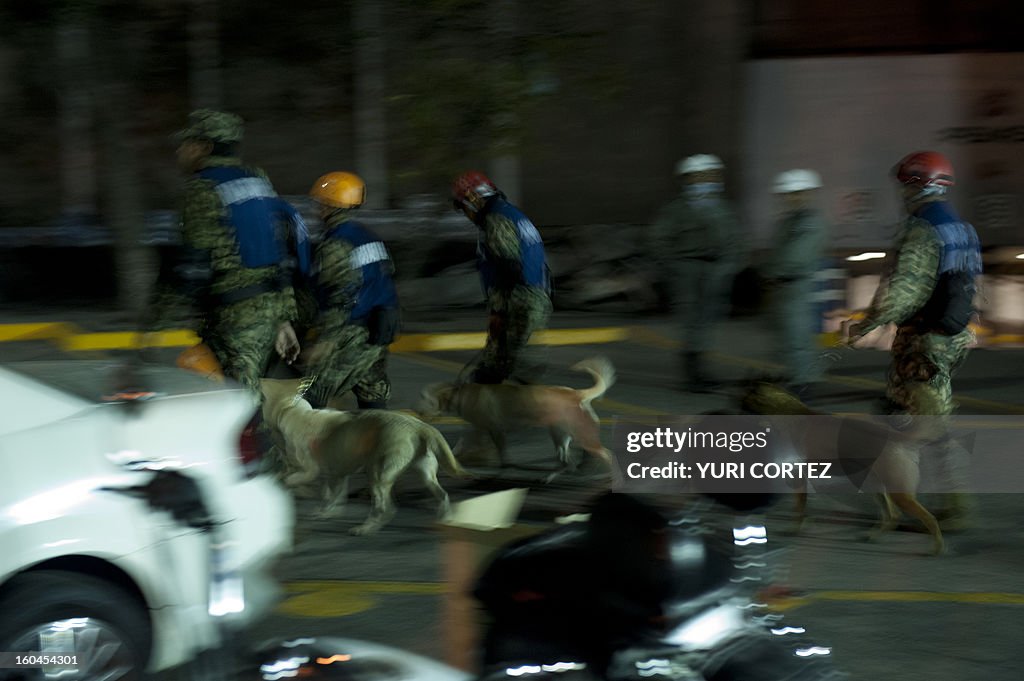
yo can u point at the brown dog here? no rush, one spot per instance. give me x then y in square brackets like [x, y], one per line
[893, 456]
[329, 445]
[565, 412]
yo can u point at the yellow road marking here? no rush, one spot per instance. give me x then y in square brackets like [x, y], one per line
[629, 408]
[433, 362]
[984, 598]
[341, 598]
[425, 342]
[336, 598]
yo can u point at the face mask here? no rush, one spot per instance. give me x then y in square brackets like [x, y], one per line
[703, 190]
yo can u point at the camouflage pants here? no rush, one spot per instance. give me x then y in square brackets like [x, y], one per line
[242, 336]
[353, 365]
[922, 368]
[920, 383]
[509, 330]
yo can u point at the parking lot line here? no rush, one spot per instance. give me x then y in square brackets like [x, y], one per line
[983, 598]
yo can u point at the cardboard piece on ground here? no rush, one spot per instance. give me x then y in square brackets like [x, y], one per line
[498, 510]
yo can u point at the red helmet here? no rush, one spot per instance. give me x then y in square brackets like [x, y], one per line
[470, 187]
[925, 168]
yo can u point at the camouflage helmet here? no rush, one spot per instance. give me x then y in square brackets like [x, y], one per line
[216, 126]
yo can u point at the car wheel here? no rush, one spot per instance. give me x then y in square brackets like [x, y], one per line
[107, 628]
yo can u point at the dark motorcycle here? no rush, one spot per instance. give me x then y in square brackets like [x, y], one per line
[632, 594]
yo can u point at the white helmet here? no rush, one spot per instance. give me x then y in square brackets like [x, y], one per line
[698, 164]
[796, 181]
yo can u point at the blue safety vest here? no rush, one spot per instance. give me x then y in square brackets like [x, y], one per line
[370, 255]
[535, 271]
[951, 306]
[265, 226]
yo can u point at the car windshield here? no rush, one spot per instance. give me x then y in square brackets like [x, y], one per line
[102, 381]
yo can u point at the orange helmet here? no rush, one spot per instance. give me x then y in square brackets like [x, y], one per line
[470, 189]
[925, 168]
[200, 359]
[340, 190]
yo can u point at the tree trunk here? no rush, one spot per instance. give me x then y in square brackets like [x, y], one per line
[122, 193]
[371, 130]
[505, 167]
[206, 89]
[77, 151]
[122, 189]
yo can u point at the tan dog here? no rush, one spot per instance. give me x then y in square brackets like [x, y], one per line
[894, 456]
[330, 445]
[565, 412]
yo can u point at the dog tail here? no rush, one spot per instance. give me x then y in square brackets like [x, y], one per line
[439, 445]
[604, 377]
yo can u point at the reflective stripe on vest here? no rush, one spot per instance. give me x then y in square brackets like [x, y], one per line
[253, 214]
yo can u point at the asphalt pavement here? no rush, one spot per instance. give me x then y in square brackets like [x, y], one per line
[887, 609]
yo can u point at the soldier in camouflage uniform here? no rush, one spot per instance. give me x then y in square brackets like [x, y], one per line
[515, 276]
[233, 264]
[929, 294]
[696, 242]
[799, 245]
[355, 305]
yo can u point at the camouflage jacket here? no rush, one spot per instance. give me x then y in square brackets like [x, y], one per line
[213, 250]
[799, 245]
[501, 239]
[337, 282]
[911, 279]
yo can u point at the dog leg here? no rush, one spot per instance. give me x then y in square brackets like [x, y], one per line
[888, 519]
[334, 503]
[909, 504]
[499, 440]
[569, 463]
[428, 470]
[382, 507]
[304, 475]
[562, 439]
[800, 508]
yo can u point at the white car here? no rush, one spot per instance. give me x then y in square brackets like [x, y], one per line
[84, 567]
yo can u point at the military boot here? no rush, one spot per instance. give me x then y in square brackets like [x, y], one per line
[697, 380]
[957, 515]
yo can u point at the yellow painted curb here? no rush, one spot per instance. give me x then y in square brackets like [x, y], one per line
[35, 331]
[439, 342]
[127, 340]
[74, 340]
